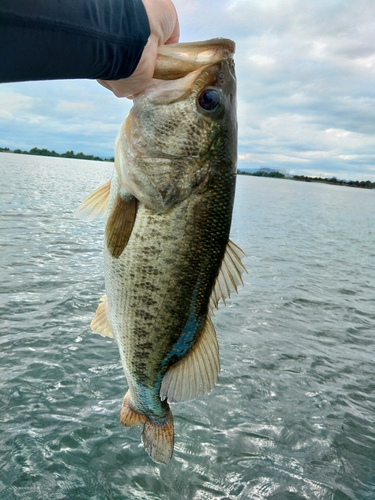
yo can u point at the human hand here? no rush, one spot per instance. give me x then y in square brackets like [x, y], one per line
[165, 29]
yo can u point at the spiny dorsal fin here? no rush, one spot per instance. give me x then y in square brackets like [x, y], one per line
[230, 275]
[100, 322]
[95, 205]
[120, 224]
[195, 374]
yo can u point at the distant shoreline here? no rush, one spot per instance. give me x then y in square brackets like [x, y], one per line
[260, 173]
[323, 180]
[46, 152]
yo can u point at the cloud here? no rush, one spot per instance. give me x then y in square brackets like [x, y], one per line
[303, 72]
[62, 115]
[69, 107]
[306, 88]
[11, 103]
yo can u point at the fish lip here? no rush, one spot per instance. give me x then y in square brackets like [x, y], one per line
[175, 61]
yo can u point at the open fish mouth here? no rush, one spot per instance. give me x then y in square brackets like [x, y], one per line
[179, 66]
[178, 60]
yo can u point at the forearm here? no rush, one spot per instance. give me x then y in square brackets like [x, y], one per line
[47, 39]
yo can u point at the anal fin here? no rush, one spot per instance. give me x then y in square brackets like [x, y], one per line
[129, 417]
[120, 224]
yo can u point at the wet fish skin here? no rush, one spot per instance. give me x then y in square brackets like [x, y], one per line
[169, 266]
[167, 257]
[166, 146]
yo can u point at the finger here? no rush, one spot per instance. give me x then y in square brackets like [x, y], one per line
[175, 36]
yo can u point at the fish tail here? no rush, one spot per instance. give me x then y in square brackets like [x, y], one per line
[157, 435]
[158, 439]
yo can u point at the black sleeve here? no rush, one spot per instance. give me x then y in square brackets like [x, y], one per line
[60, 39]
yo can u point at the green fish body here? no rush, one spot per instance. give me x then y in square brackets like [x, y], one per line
[168, 259]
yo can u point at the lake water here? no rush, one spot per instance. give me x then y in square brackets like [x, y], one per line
[293, 414]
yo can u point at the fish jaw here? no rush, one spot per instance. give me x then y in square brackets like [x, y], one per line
[168, 144]
[177, 60]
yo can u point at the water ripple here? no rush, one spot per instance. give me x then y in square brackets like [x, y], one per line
[292, 415]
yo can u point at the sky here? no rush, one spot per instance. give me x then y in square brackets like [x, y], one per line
[306, 89]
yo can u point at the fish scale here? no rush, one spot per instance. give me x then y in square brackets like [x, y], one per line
[168, 259]
[187, 247]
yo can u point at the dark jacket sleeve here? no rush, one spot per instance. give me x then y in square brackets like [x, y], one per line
[60, 39]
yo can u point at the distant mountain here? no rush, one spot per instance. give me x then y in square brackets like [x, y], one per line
[266, 170]
[270, 172]
[262, 169]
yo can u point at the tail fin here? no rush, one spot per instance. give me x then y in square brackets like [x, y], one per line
[158, 439]
[157, 436]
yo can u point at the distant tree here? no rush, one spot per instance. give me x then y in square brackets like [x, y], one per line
[68, 154]
[277, 175]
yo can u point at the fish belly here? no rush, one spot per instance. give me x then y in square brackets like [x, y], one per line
[159, 288]
[158, 293]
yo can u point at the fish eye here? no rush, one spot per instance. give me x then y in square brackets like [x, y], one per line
[209, 99]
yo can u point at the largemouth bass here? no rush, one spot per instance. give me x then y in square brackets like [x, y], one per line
[168, 259]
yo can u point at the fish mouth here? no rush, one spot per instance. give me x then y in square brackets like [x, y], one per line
[179, 66]
[177, 60]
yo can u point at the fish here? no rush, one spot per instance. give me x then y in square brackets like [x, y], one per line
[168, 259]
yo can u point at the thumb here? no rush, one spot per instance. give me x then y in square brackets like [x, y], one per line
[163, 19]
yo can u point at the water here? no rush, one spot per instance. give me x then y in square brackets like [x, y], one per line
[293, 414]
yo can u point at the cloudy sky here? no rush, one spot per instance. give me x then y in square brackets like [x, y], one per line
[306, 89]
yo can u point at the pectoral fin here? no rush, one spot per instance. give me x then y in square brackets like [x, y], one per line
[95, 205]
[100, 322]
[195, 374]
[230, 275]
[120, 224]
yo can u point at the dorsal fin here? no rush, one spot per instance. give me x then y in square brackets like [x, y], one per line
[100, 324]
[230, 275]
[120, 224]
[196, 373]
[95, 205]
